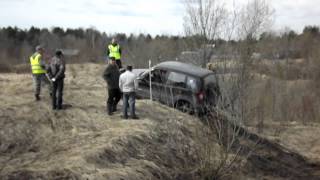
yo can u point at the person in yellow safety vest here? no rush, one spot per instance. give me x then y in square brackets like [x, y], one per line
[114, 50]
[38, 71]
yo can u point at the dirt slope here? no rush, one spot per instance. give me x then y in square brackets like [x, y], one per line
[82, 142]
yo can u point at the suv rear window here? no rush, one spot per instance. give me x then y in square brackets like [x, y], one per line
[193, 84]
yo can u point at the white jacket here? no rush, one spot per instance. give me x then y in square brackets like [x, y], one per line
[128, 82]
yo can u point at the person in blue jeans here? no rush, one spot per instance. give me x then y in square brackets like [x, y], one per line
[128, 85]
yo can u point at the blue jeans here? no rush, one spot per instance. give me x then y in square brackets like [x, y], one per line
[129, 99]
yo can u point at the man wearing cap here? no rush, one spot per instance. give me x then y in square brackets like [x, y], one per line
[114, 50]
[56, 71]
[128, 85]
[111, 76]
[38, 71]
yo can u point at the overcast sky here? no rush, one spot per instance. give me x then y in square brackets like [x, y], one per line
[134, 16]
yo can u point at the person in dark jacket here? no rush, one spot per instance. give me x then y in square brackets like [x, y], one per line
[55, 72]
[111, 76]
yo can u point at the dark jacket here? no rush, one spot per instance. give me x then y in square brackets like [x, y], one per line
[111, 76]
[56, 68]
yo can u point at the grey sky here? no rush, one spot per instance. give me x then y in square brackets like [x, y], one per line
[134, 16]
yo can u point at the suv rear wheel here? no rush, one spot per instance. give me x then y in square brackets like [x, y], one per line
[184, 106]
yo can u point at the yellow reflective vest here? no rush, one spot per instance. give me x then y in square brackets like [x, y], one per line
[35, 61]
[114, 51]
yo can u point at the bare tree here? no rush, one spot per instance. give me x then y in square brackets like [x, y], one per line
[255, 17]
[208, 20]
[204, 20]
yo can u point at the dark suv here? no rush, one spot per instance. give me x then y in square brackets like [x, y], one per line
[183, 86]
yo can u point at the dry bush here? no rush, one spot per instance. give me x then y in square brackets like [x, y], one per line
[65, 174]
[22, 69]
[282, 69]
[218, 152]
[210, 154]
[5, 67]
[282, 101]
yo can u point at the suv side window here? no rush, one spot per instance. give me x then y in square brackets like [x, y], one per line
[177, 79]
[159, 76]
[146, 77]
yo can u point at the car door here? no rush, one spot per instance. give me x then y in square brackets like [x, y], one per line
[144, 85]
[175, 87]
[143, 90]
[159, 82]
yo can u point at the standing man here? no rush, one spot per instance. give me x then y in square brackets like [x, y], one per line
[56, 71]
[111, 76]
[114, 50]
[38, 71]
[128, 85]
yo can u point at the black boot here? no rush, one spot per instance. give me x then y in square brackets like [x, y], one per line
[109, 109]
[114, 108]
[37, 97]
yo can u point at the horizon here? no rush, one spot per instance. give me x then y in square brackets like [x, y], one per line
[146, 17]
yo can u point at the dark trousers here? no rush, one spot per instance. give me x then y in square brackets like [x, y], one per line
[118, 62]
[57, 93]
[129, 100]
[114, 96]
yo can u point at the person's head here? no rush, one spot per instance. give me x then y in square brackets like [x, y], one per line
[40, 49]
[129, 68]
[58, 53]
[112, 60]
[114, 41]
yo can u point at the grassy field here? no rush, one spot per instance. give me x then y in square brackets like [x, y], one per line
[83, 142]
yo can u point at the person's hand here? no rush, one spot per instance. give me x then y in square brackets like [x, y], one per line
[53, 79]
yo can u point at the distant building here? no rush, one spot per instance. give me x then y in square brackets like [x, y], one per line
[71, 52]
[196, 57]
[191, 57]
[256, 56]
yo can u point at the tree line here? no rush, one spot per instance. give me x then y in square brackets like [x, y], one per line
[16, 45]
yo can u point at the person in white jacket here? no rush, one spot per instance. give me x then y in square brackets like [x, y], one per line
[128, 85]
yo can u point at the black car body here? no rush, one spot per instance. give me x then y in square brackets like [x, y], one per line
[184, 86]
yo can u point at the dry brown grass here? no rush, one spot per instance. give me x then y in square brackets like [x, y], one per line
[82, 142]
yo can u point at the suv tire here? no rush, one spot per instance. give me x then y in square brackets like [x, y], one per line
[184, 106]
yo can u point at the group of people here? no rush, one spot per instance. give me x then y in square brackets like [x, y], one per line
[52, 74]
[119, 84]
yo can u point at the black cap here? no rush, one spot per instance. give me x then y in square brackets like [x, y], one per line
[129, 67]
[59, 52]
